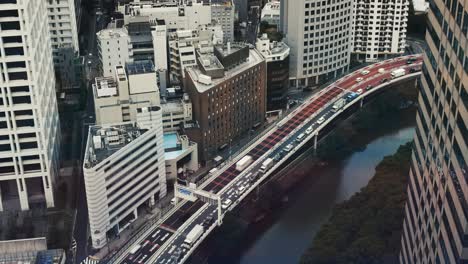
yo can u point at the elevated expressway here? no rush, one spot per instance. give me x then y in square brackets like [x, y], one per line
[163, 242]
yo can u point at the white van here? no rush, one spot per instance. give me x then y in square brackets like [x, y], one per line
[240, 190]
[300, 137]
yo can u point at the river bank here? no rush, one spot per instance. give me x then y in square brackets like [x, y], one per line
[256, 233]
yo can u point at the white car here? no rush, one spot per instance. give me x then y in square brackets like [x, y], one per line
[288, 147]
[365, 72]
[309, 130]
[321, 120]
[381, 70]
[359, 79]
[359, 91]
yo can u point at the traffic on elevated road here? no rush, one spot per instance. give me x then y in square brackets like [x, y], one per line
[181, 231]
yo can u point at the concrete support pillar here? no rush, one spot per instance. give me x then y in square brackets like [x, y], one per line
[315, 140]
[135, 213]
[151, 201]
[1, 200]
[361, 102]
[48, 193]
[23, 194]
[220, 216]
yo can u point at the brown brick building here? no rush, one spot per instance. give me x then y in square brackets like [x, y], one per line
[228, 93]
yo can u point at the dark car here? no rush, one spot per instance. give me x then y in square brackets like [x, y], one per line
[369, 87]
[410, 60]
[412, 70]
[384, 80]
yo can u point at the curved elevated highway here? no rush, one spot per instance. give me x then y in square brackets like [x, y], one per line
[163, 243]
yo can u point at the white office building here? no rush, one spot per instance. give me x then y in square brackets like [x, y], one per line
[116, 99]
[176, 16]
[184, 15]
[29, 136]
[319, 34]
[379, 29]
[114, 49]
[124, 171]
[271, 13]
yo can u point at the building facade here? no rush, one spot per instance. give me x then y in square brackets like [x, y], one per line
[180, 155]
[228, 93]
[435, 228]
[175, 113]
[276, 55]
[116, 99]
[29, 135]
[319, 34]
[223, 12]
[123, 170]
[379, 29]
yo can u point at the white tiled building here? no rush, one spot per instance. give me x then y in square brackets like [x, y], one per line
[271, 13]
[124, 170]
[379, 28]
[319, 34]
[223, 12]
[176, 112]
[29, 136]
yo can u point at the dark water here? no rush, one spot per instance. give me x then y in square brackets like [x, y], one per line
[310, 205]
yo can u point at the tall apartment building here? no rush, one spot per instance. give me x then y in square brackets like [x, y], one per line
[271, 13]
[379, 28]
[276, 55]
[124, 170]
[319, 34]
[435, 228]
[116, 99]
[228, 93]
[29, 136]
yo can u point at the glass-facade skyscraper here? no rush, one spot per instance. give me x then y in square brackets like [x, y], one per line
[435, 225]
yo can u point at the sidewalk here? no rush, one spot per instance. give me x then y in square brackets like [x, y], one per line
[143, 222]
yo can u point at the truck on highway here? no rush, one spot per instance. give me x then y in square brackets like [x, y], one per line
[397, 73]
[243, 163]
[266, 165]
[193, 236]
[339, 104]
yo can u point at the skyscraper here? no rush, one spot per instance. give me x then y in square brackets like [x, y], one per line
[319, 34]
[29, 138]
[435, 228]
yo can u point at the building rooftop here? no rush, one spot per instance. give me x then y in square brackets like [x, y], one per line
[104, 141]
[140, 67]
[105, 87]
[112, 33]
[204, 83]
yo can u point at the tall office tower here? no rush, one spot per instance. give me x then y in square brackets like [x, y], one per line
[114, 48]
[435, 228]
[319, 35]
[29, 139]
[379, 28]
[64, 38]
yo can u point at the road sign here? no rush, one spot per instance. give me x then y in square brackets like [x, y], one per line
[185, 193]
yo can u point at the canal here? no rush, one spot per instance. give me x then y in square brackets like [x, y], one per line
[310, 204]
